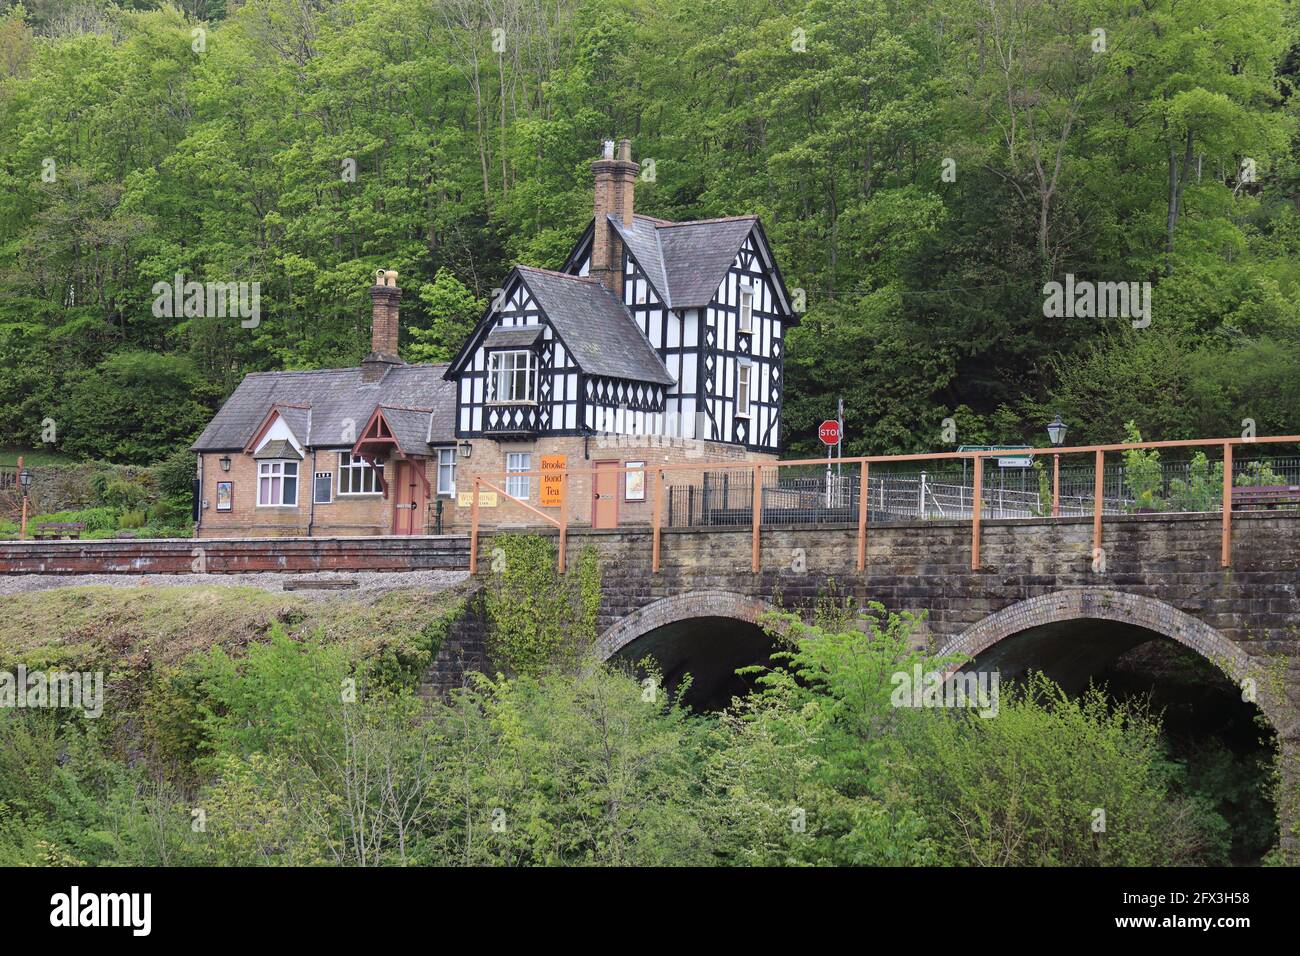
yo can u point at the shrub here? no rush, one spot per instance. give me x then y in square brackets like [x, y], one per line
[1142, 473]
[1203, 489]
[1055, 781]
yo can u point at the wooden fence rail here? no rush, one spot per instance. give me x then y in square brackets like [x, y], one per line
[658, 477]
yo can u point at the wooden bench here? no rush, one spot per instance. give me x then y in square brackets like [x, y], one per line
[1249, 497]
[58, 529]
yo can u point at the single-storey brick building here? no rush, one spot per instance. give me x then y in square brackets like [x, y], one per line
[658, 342]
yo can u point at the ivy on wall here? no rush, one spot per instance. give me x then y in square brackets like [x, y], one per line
[537, 617]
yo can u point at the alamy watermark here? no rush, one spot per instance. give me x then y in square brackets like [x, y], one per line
[1084, 299]
[209, 300]
[75, 690]
[935, 689]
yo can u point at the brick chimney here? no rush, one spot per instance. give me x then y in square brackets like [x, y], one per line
[615, 185]
[384, 297]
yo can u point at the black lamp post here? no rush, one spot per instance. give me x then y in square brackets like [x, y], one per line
[25, 480]
[1056, 433]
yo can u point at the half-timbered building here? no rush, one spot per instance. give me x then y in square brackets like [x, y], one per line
[656, 343]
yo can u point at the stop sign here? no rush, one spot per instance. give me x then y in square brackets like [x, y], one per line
[829, 432]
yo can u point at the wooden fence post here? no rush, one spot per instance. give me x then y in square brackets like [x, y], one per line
[1226, 557]
[862, 519]
[473, 530]
[564, 517]
[1098, 493]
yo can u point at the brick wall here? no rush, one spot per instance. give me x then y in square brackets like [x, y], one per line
[344, 515]
[489, 457]
[218, 555]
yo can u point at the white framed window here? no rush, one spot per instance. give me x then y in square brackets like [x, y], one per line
[513, 376]
[357, 476]
[323, 488]
[277, 484]
[519, 487]
[744, 378]
[746, 321]
[446, 471]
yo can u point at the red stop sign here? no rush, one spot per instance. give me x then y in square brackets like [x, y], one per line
[829, 433]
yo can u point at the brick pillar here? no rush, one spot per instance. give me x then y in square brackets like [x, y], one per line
[614, 196]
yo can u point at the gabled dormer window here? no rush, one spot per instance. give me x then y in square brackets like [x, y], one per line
[746, 322]
[513, 376]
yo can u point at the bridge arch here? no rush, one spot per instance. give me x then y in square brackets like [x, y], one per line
[1135, 610]
[706, 634]
[672, 610]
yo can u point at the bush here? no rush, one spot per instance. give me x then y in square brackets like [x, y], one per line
[95, 519]
[1055, 781]
[1143, 474]
[1203, 489]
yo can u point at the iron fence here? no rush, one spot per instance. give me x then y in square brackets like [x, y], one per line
[812, 495]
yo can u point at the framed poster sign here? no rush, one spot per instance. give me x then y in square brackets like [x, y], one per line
[634, 485]
[225, 495]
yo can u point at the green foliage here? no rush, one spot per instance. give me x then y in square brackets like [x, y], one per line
[537, 617]
[1143, 473]
[924, 292]
[453, 310]
[1056, 781]
[95, 519]
[1203, 489]
[588, 766]
[1258, 474]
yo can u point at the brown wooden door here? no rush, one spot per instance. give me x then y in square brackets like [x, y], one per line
[406, 488]
[604, 504]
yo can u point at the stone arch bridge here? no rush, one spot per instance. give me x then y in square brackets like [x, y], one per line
[1034, 602]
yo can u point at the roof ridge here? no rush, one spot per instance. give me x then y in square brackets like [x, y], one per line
[655, 219]
[561, 275]
[705, 222]
[405, 408]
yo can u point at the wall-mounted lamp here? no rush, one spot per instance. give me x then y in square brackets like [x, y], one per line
[465, 449]
[224, 461]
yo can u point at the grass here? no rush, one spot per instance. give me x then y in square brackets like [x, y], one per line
[130, 632]
[34, 457]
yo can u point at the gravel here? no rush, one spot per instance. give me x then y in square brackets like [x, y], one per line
[368, 582]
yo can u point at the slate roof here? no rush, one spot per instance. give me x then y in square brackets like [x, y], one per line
[410, 427]
[317, 405]
[518, 337]
[685, 261]
[595, 327]
[278, 450]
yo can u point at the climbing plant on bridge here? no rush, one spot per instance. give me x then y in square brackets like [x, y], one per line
[538, 617]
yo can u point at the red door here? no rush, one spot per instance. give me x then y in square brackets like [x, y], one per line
[406, 488]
